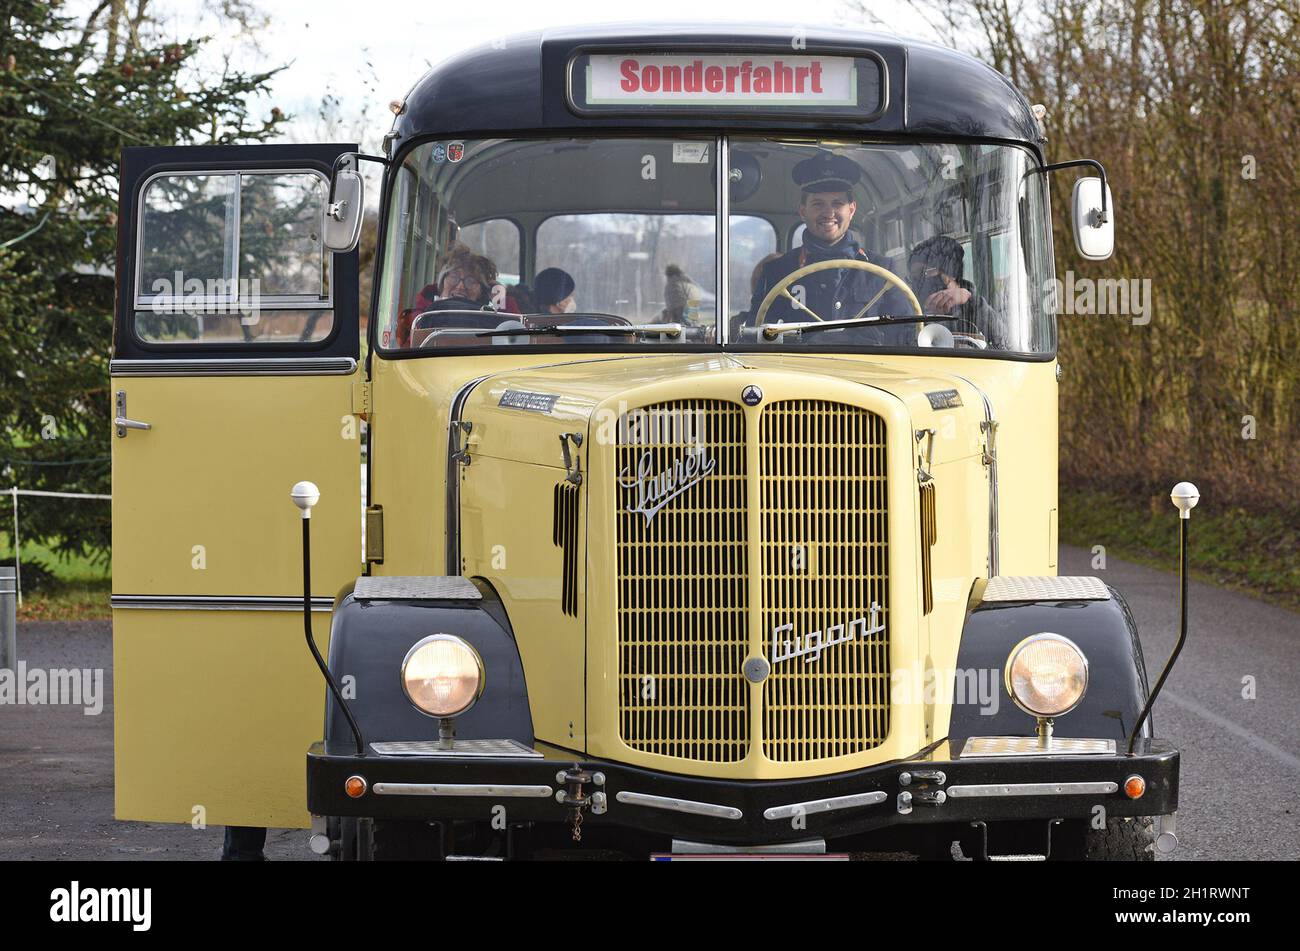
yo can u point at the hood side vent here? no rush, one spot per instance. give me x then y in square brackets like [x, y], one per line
[929, 535]
[564, 534]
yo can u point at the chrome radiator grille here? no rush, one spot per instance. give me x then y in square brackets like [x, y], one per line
[684, 577]
[825, 566]
[683, 585]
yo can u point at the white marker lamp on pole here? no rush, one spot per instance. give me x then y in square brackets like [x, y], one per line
[1184, 496]
[305, 495]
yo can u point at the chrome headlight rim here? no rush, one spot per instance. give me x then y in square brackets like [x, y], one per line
[1015, 653]
[450, 638]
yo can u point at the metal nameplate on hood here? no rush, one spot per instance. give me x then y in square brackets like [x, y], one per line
[944, 399]
[533, 402]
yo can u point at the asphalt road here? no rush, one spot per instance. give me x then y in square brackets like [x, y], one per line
[1240, 759]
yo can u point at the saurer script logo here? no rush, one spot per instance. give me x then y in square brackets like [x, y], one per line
[653, 490]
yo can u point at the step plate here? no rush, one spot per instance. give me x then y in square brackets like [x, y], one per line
[986, 746]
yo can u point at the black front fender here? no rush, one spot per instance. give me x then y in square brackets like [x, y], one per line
[1105, 632]
[369, 638]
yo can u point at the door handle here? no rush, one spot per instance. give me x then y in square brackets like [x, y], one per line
[120, 419]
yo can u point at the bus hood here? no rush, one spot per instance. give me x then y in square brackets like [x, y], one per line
[524, 414]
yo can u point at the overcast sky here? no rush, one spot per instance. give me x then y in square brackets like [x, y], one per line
[369, 53]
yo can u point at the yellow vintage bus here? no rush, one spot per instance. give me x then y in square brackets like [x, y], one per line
[704, 441]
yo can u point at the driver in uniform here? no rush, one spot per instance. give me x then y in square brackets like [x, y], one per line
[827, 207]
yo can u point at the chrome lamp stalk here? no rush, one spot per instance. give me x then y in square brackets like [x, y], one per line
[1184, 496]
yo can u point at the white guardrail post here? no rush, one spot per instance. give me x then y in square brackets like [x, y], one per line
[8, 619]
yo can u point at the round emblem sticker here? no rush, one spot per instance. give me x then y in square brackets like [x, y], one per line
[439, 153]
[751, 395]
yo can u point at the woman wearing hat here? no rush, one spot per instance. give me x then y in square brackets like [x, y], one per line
[553, 291]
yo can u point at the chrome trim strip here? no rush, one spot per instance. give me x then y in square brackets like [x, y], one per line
[824, 805]
[995, 790]
[463, 789]
[722, 239]
[242, 366]
[453, 475]
[183, 602]
[991, 421]
[679, 805]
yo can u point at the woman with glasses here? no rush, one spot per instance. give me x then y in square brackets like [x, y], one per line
[466, 276]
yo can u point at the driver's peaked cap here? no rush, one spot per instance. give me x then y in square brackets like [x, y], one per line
[827, 172]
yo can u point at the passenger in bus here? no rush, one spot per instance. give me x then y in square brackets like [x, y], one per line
[553, 291]
[679, 290]
[934, 269]
[519, 299]
[465, 276]
[827, 207]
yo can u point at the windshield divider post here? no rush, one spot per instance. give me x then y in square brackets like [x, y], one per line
[722, 322]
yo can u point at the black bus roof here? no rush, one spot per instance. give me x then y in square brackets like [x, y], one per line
[519, 85]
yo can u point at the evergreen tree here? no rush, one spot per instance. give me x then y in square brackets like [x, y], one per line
[73, 94]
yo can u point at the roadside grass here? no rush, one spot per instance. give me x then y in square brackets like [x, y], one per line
[56, 588]
[1254, 552]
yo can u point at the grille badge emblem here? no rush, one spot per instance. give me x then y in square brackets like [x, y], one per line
[756, 669]
[654, 490]
[811, 645]
[751, 395]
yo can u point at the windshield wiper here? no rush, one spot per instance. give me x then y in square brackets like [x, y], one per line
[671, 330]
[772, 331]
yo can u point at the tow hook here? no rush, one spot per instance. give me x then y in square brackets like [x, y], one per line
[920, 792]
[581, 790]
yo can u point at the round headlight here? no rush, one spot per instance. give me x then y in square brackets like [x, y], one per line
[1047, 675]
[442, 675]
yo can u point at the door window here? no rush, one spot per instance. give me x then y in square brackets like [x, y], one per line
[230, 258]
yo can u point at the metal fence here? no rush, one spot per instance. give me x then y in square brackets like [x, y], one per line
[17, 570]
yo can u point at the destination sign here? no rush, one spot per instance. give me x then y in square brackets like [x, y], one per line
[673, 82]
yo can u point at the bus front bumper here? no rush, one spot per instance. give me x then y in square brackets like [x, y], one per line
[914, 792]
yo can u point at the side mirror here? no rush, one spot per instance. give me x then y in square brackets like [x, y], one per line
[344, 212]
[1093, 215]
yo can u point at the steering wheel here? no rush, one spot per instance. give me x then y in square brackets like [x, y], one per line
[779, 289]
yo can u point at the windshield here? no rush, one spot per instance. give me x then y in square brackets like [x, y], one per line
[614, 243]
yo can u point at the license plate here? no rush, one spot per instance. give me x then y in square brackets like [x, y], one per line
[749, 857]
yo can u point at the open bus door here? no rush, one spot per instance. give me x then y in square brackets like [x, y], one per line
[234, 362]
